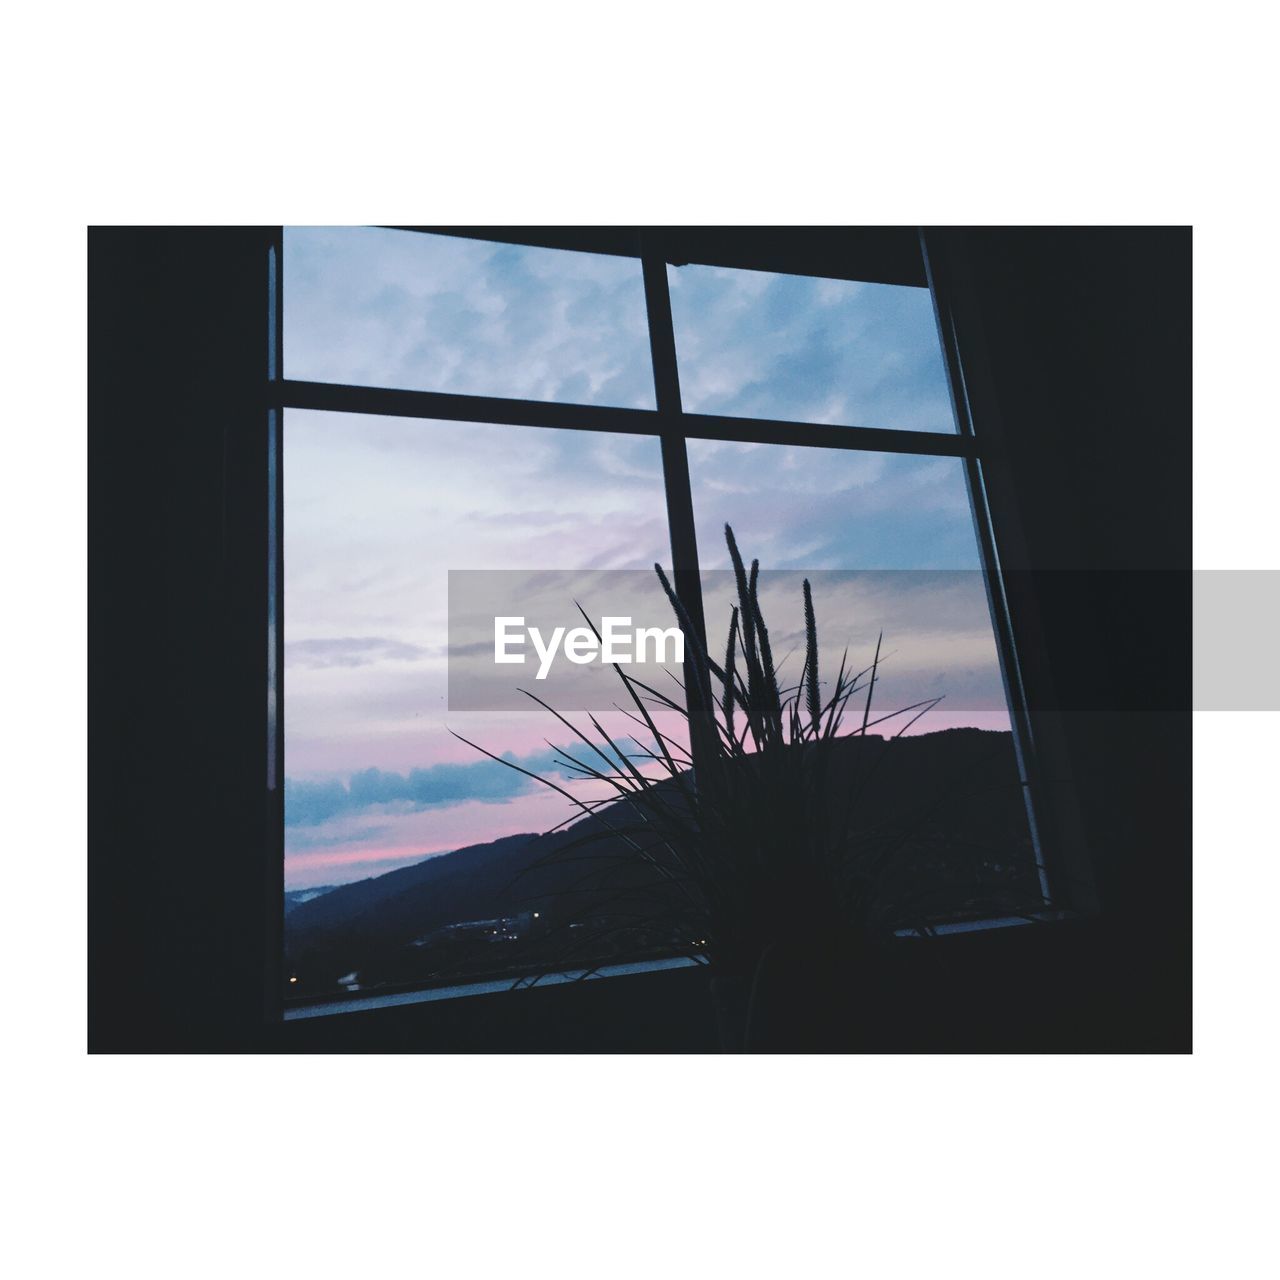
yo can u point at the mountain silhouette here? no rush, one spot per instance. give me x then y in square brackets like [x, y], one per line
[955, 795]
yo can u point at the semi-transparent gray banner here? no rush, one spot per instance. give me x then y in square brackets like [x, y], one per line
[1215, 638]
[556, 634]
[1235, 639]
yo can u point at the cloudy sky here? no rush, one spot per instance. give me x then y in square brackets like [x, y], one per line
[378, 510]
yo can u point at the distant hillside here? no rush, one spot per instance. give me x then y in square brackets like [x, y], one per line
[294, 898]
[977, 837]
[444, 888]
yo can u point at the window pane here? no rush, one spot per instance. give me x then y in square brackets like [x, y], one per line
[755, 344]
[377, 510]
[419, 312]
[804, 508]
[888, 544]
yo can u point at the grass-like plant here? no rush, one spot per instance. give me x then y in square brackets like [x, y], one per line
[748, 830]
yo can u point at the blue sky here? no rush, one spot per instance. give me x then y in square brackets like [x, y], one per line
[439, 313]
[758, 345]
[378, 510]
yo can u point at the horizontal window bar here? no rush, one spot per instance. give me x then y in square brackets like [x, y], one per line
[705, 426]
[883, 255]
[390, 402]
[341, 398]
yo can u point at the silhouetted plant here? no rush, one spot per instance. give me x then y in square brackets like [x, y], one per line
[750, 831]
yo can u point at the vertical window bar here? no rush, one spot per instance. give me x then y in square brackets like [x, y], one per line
[675, 463]
[1001, 623]
[273, 520]
[274, 860]
[276, 373]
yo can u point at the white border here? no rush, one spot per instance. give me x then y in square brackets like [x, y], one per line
[662, 113]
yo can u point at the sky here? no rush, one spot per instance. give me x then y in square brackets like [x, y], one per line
[378, 510]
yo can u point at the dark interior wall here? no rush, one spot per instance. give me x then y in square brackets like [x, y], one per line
[1088, 333]
[1081, 344]
[1084, 339]
[177, 597]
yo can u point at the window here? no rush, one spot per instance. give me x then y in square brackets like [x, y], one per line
[758, 344]
[462, 403]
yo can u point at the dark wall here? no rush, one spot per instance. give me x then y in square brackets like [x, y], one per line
[1083, 341]
[1082, 361]
[177, 717]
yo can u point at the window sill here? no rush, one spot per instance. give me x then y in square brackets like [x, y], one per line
[323, 1008]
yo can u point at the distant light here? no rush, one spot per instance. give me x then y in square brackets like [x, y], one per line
[536, 915]
[293, 979]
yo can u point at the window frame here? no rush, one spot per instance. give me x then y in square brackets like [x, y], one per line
[1064, 876]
